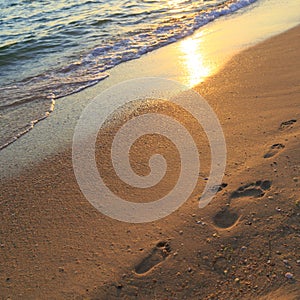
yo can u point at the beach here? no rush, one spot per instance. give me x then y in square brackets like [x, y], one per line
[243, 245]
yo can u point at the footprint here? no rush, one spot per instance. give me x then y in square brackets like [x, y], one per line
[274, 149]
[157, 255]
[256, 189]
[287, 124]
[219, 187]
[222, 186]
[225, 218]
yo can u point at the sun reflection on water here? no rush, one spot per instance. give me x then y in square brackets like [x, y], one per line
[193, 60]
[175, 3]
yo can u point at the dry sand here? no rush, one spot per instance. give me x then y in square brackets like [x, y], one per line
[243, 245]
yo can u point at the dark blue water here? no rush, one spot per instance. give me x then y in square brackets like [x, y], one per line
[49, 49]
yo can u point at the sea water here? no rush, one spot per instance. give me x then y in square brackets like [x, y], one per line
[50, 49]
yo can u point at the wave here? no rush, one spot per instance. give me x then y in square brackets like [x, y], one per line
[125, 35]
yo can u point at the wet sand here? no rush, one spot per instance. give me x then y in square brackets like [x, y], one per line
[243, 245]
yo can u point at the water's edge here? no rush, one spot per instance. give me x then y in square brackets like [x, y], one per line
[54, 134]
[27, 102]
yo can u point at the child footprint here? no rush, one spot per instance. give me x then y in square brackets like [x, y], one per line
[227, 218]
[256, 189]
[274, 149]
[287, 124]
[157, 255]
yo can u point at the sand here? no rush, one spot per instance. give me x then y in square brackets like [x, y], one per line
[243, 245]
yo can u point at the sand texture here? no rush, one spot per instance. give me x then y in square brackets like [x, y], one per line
[243, 245]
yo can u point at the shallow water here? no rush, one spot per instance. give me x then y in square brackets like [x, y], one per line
[49, 50]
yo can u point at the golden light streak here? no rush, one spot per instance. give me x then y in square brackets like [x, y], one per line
[197, 68]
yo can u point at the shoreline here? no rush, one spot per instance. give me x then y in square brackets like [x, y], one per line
[175, 61]
[241, 246]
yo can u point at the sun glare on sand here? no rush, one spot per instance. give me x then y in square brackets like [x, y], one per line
[193, 61]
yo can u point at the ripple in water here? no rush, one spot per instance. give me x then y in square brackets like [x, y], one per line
[52, 49]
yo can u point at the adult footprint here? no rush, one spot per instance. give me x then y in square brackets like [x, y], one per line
[256, 189]
[225, 218]
[157, 255]
[287, 124]
[274, 149]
